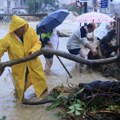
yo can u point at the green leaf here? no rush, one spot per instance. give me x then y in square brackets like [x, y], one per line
[56, 94]
[79, 109]
[71, 111]
[53, 105]
[77, 113]
[77, 105]
[60, 96]
[80, 91]
[62, 85]
[71, 107]
[50, 98]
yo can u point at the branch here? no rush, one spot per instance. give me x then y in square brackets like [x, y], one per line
[104, 111]
[100, 95]
[44, 101]
[61, 54]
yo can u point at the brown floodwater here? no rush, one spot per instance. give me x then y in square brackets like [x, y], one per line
[15, 111]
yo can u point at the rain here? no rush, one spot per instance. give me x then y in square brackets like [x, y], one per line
[10, 108]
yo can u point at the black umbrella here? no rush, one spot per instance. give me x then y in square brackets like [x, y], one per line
[51, 21]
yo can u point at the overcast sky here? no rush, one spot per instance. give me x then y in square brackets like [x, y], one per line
[116, 1]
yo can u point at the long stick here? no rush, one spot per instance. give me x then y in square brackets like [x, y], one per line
[64, 67]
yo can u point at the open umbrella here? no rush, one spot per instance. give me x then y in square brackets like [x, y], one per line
[95, 17]
[51, 21]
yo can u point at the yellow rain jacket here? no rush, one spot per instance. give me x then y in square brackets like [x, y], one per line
[16, 50]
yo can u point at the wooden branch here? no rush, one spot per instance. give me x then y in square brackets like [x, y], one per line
[61, 54]
[100, 95]
[104, 111]
[44, 101]
[108, 112]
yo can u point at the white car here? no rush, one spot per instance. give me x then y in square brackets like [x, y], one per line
[20, 11]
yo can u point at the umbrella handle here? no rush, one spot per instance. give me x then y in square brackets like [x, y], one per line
[79, 4]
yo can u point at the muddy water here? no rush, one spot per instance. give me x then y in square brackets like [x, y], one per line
[14, 111]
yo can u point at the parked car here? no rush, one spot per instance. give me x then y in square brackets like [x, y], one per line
[19, 11]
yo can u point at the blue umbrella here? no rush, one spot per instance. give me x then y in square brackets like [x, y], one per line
[51, 21]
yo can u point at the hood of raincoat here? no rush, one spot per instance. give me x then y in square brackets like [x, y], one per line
[16, 23]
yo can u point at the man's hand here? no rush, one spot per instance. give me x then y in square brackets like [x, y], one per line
[31, 53]
[95, 52]
[91, 39]
[50, 44]
[92, 49]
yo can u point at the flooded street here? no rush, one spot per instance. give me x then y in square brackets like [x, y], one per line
[8, 104]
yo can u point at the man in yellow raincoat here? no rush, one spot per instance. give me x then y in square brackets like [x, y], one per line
[20, 42]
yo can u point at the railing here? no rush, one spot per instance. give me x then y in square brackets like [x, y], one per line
[36, 15]
[7, 17]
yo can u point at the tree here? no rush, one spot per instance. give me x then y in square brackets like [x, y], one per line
[36, 6]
